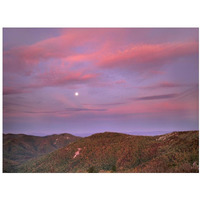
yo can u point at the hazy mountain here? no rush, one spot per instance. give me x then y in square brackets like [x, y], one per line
[18, 148]
[115, 152]
[147, 133]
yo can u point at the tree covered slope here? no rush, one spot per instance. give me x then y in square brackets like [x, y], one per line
[115, 152]
[18, 148]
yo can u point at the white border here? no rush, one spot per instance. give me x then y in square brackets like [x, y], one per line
[104, 13]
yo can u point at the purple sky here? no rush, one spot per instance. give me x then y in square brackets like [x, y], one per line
[127, 79]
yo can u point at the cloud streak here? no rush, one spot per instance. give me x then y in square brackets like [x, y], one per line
[54, 78]
[156, 97]
[84, 109]
[12, 90]
[143, 57]
[164, 85]
[106, 104]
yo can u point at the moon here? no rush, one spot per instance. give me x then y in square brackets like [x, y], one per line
[76, 93]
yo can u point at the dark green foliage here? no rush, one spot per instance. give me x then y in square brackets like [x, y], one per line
[92, 170]
[114, 169]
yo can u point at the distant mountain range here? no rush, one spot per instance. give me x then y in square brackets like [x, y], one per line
[86, 134]
[102, 152]
[147, 133]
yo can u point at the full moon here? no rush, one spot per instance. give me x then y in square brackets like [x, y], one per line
[76, 93]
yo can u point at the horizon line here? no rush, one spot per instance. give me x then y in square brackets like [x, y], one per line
[89, 134]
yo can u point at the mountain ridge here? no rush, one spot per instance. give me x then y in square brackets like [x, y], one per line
[18, 148]
[118, 152]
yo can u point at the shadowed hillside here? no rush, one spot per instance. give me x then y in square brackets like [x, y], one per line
[115, 152]
[18, 148]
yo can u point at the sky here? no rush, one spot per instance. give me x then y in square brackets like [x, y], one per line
[128, 80]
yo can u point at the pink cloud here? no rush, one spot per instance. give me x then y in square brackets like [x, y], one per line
[142, 57]
[146, 108]
[167, 84]
[164, 84]
[13, 90]
[64, 77]
[101, 53]
[22, 59]
[57, 47]
[61, 46]
[96, 43]
[54, 78]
